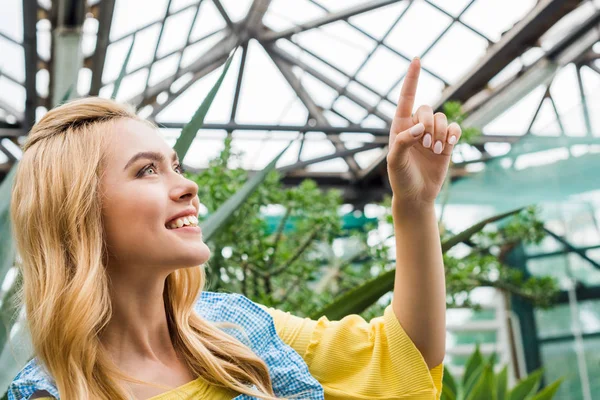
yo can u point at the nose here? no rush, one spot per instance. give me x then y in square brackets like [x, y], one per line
[184, 188]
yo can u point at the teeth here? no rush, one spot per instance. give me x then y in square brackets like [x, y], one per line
[190, 220]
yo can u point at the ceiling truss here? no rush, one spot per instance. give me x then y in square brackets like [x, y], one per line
[360, 185]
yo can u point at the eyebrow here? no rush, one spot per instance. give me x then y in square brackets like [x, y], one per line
[150, 155]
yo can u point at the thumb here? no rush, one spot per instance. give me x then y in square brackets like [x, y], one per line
[406, 139]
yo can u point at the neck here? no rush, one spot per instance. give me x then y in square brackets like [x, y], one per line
[138, 329]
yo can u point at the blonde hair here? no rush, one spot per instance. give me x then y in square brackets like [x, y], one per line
[57, 223]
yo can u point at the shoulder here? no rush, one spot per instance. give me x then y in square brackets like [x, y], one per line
[30, 379]
[288, 371]
[235, 308]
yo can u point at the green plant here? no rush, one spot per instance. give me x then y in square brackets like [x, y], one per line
[480, 382]
[482, 266]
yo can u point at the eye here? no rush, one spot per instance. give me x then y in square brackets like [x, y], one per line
[180, 168]
[149, 167]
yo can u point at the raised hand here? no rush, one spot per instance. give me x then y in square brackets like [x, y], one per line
[420, 147]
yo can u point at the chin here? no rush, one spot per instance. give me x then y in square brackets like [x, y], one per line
[199, 257]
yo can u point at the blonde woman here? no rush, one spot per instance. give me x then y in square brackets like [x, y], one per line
[106, 226]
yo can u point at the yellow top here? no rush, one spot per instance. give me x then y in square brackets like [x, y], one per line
[351, 358]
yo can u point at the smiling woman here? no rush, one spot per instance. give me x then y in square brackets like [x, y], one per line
[109, 290]
[113, 278]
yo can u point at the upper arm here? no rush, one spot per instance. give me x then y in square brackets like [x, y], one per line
[355, 357]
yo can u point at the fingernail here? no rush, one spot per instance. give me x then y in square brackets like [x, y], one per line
[416, 58]
[437, 149]
[452, 140]
[427, 140]
[417, 129]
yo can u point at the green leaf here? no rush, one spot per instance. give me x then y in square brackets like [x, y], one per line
[467, 233]
[527, 386]
[484, 388]
[502, 383]
[362, 297]
[218, 219]
[117, 84]
[549, 391]
[359, 299]
[9, 310]
[474, 363]
[67, 95]
[7, 247]
[449, 389]
[189, 131]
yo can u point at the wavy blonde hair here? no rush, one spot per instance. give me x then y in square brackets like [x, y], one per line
[57, 223]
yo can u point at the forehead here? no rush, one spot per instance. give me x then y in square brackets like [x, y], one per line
[130, 137]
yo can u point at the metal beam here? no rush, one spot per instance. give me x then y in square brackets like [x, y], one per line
[31, 61]
[223, 13]
[173, 95]
[381, 134]
[164, 56]
[584, 103]
[314, 110]
[327, 19]
[10, 39]
[256, 13]
[11, 133]
[574, 44]
[342, 153]
[12, 111]
[67, 55]
[103, 12]
[368, 57]
[218, 52]
[11, 78]
[279, 53]
[524, 34]
[160, 34]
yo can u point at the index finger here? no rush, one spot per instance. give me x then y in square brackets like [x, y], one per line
[408, 92]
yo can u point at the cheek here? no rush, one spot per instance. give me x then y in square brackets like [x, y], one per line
[131, 220]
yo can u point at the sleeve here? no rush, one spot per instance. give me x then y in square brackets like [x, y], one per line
[355, 359]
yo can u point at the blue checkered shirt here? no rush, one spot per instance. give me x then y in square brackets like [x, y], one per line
[289, 373]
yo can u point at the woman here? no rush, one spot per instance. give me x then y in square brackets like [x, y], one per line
[112, 258]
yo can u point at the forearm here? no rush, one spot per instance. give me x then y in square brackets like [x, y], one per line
[420, 289]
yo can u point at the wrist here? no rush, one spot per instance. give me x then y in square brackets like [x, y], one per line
[411, 209]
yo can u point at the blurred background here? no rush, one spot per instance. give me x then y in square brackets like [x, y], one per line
[522, 77]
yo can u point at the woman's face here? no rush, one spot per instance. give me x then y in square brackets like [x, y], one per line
[142, 190]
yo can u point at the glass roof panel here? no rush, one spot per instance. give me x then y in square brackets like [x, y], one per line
[12, 23]
[455, 53]
[351, 64]
[185, 105]
[493, 18]
[179, 4]
[260, 102]
[195, 51]
[13, 52]
[236, 9]
[172, 38]
[281, 16]
[412, 26]
[145, 11]
[338, 44]
[382, 70]
[454, 7]
[517, 118]
[379, 21]
[592, 93]
[209, 20]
